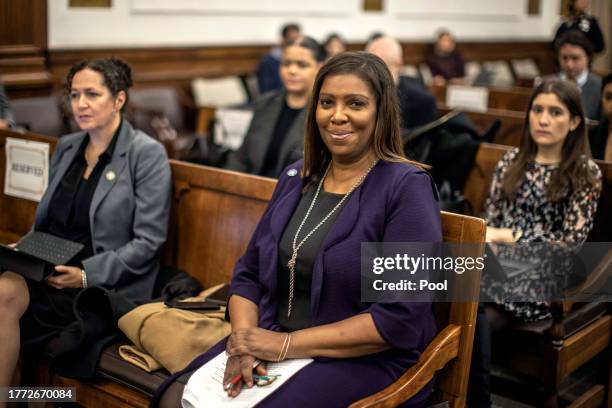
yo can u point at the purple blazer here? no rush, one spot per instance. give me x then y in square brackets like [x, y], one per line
[395, 203]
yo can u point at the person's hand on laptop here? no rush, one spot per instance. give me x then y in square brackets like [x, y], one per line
[66, 277]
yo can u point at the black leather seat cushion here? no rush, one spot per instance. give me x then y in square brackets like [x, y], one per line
[113, 367]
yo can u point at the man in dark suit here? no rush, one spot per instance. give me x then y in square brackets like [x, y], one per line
[575, 53]
[417, 104]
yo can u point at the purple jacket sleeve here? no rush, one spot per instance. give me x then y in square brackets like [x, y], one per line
[413, 215]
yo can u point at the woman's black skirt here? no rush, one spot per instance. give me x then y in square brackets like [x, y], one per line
[50, 310]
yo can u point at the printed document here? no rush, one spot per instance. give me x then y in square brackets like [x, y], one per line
[205, 387]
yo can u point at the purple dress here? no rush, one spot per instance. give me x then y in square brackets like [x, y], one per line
[395, 203]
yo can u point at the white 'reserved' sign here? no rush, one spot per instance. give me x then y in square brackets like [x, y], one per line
[473, 98]
[27, 168]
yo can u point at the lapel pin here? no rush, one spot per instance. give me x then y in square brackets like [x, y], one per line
[292, 172]
[110, 175]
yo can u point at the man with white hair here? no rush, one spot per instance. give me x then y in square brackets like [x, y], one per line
[417, 105]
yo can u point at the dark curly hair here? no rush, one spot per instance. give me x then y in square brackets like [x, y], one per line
[116, 73]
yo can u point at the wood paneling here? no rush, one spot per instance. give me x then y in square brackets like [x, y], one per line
[540, 51]
[23, 44]
[168, 66]
[510, 99]
[177, 66]
[23, 22]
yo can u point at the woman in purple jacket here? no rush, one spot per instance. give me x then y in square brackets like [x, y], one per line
[296, 292]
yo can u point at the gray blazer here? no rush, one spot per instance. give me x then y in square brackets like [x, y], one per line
[251, 155]
[128, 213]
[590, 94]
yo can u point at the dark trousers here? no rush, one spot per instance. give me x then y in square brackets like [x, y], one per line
[479, 385]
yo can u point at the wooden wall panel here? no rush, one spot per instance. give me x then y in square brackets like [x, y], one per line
[168, 66]
[23, 44]
[179, 65]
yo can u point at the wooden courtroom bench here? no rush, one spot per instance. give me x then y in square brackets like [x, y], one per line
[511, 98]
[548, 351]
[214, 213]
[510, 132]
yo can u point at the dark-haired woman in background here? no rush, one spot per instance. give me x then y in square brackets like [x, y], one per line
[296, 292]
[109, 189]
[600, 137]
[334, 45]
[276, 134]
[445, 61]
[546, 192]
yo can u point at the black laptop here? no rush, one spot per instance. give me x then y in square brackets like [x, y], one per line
[36, 255]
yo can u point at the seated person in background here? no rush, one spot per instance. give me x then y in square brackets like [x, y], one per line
[109, 189]
[334, 45]
[417, 105]
[267, 69]
[276, 134]
[600, 137]
[545, 192]
[7, 119]
[445, 60]
[354, 185]
[580, 20]
[575, 54]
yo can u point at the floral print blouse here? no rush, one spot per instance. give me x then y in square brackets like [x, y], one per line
[567, 221]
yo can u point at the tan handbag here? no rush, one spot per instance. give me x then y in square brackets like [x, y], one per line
[171, 337]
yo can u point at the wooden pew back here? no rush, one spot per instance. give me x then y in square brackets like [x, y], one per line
[214, 214]
[479, 178]
[17, 214]
[511, 131]
[512, 99]
[452, 380]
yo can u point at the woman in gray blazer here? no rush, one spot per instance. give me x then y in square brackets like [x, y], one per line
[109, 189]
[275, 137]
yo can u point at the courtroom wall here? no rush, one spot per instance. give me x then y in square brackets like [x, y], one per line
[167, 23]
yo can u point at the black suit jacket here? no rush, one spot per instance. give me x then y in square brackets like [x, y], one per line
[417, 104]
[250, 157]
[598, 136]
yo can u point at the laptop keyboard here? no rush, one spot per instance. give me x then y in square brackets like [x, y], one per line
[49, 248]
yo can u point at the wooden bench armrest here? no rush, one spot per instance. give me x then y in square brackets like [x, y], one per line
[443, 348]
[560, 309]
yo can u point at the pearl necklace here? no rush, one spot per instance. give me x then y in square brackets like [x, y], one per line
[296, 246]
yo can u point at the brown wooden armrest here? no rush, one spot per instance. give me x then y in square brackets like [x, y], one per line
[443, 348]
[591, 285]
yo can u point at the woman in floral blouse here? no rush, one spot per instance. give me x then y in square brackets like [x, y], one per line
[546, 192]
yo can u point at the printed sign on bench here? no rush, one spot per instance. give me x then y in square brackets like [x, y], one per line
[27, 169]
